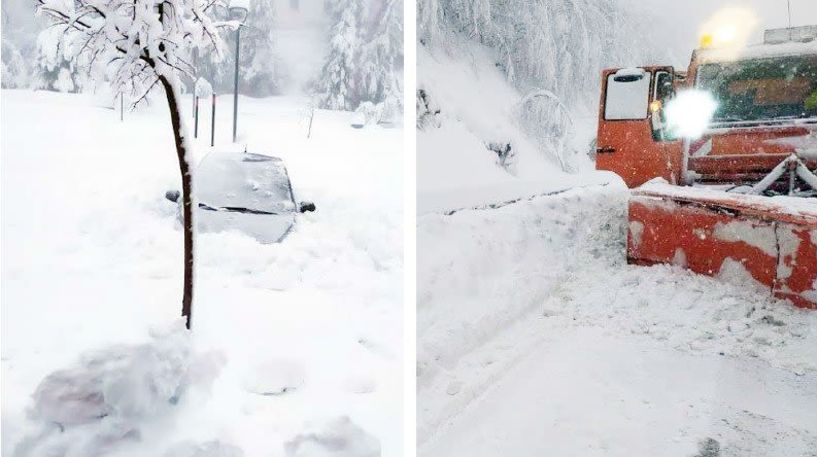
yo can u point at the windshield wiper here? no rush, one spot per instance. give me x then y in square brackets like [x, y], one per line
[236, 209]
[246, 210]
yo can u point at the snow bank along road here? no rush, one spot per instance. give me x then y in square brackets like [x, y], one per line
[536, 338]
[309, 330]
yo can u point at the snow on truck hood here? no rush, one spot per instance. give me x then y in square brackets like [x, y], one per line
[758, 51]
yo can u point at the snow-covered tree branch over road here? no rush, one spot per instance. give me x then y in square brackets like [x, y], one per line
[138, 45]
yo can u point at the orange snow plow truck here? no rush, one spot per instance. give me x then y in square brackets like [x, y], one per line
[738, 198]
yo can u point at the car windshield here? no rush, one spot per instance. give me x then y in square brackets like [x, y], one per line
[244, 181]
[762, 89]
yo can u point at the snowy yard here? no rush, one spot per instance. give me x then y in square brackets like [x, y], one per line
[536, 338]
[306, 332]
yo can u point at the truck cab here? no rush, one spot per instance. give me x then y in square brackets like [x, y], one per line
[766, 110]
[633, 139]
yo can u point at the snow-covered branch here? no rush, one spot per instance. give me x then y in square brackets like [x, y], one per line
[130, 43]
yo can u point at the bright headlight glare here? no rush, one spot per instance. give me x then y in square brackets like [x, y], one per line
[690, 113]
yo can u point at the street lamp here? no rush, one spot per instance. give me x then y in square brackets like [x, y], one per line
[238, 12]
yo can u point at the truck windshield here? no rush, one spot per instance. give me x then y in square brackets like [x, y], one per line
[762, 89]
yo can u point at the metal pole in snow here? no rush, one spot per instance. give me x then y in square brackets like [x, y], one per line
[235, 83]
[121, 106]
[196, 77]
[196, 116]
[213, 122]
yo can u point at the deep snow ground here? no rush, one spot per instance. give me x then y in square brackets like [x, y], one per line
[92, 257]
[536, 338]
[584, 392]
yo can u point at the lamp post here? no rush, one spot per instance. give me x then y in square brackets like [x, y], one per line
[238, 12]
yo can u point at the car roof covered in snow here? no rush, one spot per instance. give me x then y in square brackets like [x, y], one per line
[244, 180]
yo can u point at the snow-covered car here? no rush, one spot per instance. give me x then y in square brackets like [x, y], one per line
[247, 192]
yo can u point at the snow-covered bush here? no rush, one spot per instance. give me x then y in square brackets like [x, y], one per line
[505, 155]
[371, 112]
[543, 117]
[427, 110]
[109, 395]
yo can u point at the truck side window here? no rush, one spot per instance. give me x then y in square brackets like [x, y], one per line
[663, 92]
[663, 87]
[628, 93]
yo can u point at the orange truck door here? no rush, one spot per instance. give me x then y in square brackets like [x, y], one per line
[631, 139]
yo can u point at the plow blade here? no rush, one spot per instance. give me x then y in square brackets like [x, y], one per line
[771, 240]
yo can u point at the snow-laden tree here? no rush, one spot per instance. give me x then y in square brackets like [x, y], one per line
[381, 58]
[337, 85]
[16, 45]
[558, 45]
[140, 45]
[53, 70]
[15, 71]
[261, 73]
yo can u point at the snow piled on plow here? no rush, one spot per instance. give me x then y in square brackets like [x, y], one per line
[805, 208]
[529, 314]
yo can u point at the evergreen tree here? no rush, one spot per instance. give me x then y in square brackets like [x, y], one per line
[262, 75]
[336, 87]
[381, 59]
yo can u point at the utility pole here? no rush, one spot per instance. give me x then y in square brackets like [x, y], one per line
[213, 123]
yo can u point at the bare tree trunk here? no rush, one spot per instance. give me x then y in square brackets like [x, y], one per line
[187, 196]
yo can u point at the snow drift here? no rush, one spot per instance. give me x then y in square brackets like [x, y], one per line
[110, 394]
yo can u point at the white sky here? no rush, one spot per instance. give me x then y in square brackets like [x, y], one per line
[681, 19]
